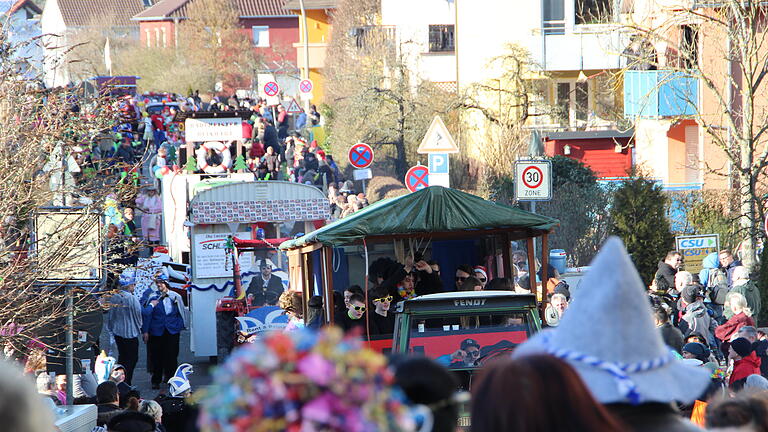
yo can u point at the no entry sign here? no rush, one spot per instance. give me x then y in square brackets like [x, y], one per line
[533, 180]
[305, 86]
[271, 89]
[361, 155]
[417, 178]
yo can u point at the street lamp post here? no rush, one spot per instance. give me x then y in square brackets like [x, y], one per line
[306, 48]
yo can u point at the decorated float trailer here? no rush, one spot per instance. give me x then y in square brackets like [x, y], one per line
[263, 212]
[446, 225]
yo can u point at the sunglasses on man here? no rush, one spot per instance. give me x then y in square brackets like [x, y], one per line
[386, 299]
[461, 278]
[359, 308]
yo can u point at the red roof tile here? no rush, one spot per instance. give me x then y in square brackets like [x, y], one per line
[81, 13]
[165, 9]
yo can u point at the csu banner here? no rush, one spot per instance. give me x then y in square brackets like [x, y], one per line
[696, 248]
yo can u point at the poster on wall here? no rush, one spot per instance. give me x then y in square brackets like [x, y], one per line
[211, 256]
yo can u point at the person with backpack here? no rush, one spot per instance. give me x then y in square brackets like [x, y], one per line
[715, 281]
[695, 316]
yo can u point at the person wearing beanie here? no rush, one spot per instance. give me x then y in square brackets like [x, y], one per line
[695, 316]
[745, 362]
[131, 421]
[696, 351]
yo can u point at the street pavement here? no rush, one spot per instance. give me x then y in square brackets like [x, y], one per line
[141, 377]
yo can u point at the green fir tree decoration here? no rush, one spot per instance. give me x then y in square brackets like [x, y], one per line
[191, 165]
[240, 163]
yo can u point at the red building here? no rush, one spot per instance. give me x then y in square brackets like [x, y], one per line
[272, 29]
[608, 153]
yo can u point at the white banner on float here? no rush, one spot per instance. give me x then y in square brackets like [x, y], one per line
[213, 129]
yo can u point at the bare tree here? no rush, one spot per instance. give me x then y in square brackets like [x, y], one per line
[372, 93]
[215, 45]
[45, 136]
[724, 46]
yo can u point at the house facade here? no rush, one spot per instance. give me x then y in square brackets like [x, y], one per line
[425, 35]
[272, 30]
[22, 21]
[319, 26]
[683, 100]
[571, 51]
[60, 19]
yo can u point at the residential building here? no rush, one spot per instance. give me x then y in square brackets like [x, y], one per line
[62, 18]
[425, 35]
[22, 27]
[573, 53]
[670, 104]
[319, 26]
[273, 31]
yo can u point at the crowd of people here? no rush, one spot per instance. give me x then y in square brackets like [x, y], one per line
[605, 367]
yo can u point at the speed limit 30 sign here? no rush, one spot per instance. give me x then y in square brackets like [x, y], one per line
[533, 180]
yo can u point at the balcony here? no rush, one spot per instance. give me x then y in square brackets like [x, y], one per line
[661, 93]
[317, 54]
[589, 47]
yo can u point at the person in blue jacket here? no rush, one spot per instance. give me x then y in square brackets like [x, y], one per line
[162, 325]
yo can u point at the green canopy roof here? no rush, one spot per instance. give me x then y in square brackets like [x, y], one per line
[431, 210]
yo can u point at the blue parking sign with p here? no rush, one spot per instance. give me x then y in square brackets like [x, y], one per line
[438, 163]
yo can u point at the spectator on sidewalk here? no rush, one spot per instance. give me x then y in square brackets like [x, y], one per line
[124, 321]
[742, 316]
[741, 284]
[665, 275]
[21, 409]
[728, 263]
[163, 323]
[107, 402]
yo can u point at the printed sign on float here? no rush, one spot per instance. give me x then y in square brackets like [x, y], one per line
[214, 129]
[695, 248]
[210, 258]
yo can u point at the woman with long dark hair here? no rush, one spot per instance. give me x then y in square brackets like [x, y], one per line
[537, 393]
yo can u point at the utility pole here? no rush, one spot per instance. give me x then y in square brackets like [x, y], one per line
[306, 49]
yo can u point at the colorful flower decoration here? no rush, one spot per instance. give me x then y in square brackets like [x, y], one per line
[303, 381]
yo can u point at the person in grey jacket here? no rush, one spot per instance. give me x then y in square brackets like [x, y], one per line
[696, 317]
[124, 321]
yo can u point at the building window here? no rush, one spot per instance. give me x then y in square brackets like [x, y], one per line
[689, 47]
[554, 16]
[441, 38]
[148, 38]
[260, 36]
[572, 101]
[157, 37]
[594, 11]
[165, 39]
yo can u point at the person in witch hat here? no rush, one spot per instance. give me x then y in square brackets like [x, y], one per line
[609, 337]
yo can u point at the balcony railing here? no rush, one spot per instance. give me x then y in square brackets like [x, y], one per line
[660, 93]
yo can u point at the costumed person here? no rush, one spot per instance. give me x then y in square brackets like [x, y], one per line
[162, 326]
[151, 206]
[179, 414]
[304, 381]
[613, 344]
[124, 322]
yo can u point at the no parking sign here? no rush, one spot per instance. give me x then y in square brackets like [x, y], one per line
[417, 178]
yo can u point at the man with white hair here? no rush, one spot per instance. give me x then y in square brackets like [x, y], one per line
[759, 346]
[682, 280]
[744, 286]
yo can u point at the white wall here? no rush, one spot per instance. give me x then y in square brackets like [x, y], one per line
[412, 19]
[485, 28]
[652, 147]
[54, 43]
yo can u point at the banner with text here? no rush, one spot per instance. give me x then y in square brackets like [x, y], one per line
[213, 129]
[695, 248]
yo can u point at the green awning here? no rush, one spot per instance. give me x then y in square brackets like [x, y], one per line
[431, 210]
